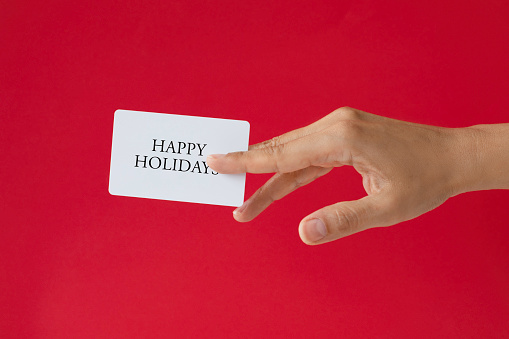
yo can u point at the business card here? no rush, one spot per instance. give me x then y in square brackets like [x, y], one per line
[163, 156]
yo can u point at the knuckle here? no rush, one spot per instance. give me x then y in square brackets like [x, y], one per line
[348, 129]
[274, 152]
[347, 113]
[298, 181]
[347, 220]
[267, 194]
[274, 142]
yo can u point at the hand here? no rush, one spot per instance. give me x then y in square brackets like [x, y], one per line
[407, 169]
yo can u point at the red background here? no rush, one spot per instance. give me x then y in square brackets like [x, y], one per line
[76, 262]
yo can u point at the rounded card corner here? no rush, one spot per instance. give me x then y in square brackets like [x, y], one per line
[109, 191]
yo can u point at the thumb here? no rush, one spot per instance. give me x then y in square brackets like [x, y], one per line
[345, 218]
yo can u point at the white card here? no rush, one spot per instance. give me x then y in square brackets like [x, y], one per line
[163, 156]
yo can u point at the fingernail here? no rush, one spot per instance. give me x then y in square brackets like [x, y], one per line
[315, 229]
[240, 209]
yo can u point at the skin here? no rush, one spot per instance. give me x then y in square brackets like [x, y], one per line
[408, 169]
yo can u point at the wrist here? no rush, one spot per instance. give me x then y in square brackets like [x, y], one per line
[482, 157]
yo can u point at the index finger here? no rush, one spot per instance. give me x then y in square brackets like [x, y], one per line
[314, 127]
[315, 149]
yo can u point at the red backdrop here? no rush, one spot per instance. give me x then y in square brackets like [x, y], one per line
[77, 262]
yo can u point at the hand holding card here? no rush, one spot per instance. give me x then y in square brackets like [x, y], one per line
[163, 156]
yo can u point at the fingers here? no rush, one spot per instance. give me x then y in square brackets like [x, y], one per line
[291, 151]
[340, 114]
[346, 218]
[276, 188]
[315, 127]
[310, 150]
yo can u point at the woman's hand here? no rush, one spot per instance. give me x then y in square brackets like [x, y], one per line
[407, 169]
